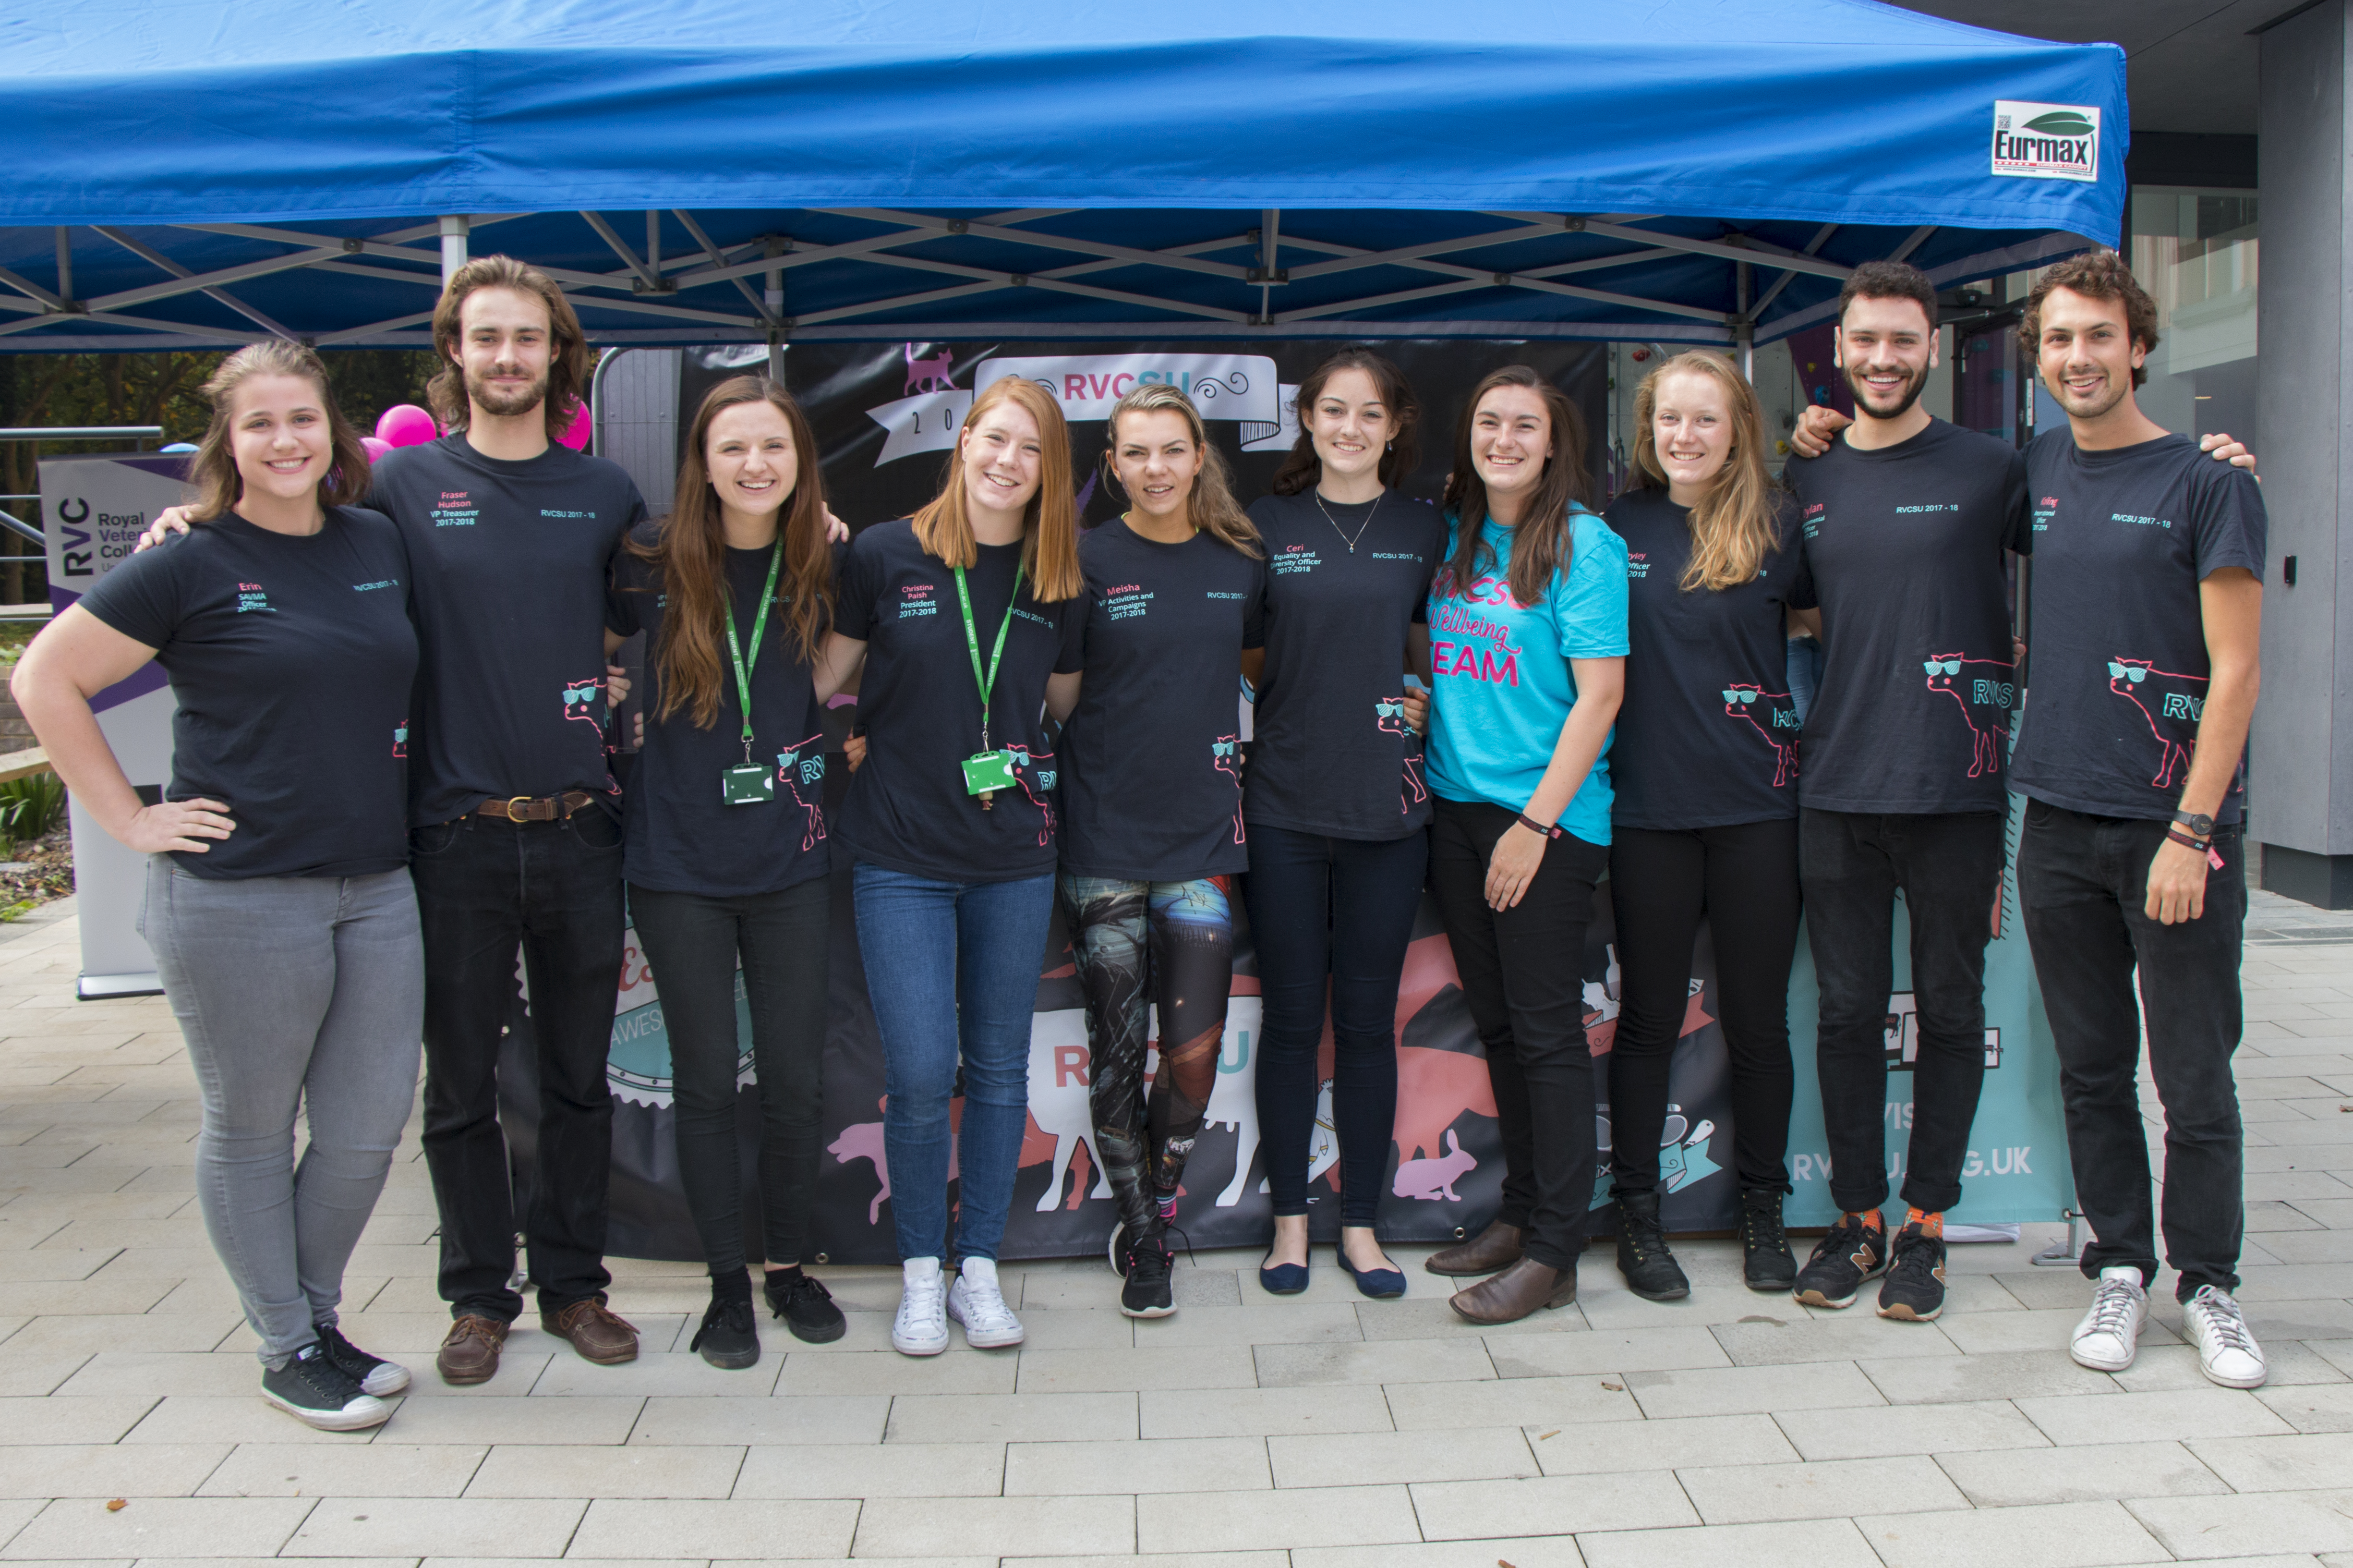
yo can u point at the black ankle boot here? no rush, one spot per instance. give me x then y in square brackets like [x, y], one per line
[1765, 1260]
[1651, 1270]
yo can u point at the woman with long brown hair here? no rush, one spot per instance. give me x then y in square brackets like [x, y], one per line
[1706, 816]
[961, 623]
[279, 901]
[1152, 791]
[724, 830]
[1527, 646]
[1336, 804]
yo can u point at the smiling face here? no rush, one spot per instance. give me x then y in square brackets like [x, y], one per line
[1349, 424]
[1692, 428]
[1886, 347]
[748, 452]
[1002, 456]
[504, 344]
[279, 436]
[1511, 441]
[2086, 353]
[1157, 460]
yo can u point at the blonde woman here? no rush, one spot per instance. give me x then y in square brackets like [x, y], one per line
[1706, 821]
[279, 901]
[962, 625]
[1151, 783]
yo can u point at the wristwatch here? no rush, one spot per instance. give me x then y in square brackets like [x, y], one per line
[2202, 826]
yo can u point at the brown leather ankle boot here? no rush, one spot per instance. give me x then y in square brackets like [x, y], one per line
[1516, 1292]
[1497, 1247]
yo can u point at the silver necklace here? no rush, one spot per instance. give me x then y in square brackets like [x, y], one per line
[1335, 522]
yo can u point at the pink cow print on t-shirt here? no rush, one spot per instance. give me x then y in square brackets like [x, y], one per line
[2172, 703]
[584, 703]
[1035, 770]
[1388, 718]
[1772, 715]
[1223, 757]
[1981, 689]
[803, 765]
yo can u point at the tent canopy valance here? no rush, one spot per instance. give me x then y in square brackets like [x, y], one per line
[696, 173]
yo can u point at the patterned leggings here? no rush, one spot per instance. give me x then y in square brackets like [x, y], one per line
[1139, 943]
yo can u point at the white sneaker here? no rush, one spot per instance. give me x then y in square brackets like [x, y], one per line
[976, 1301]
[2109, 1336]
[922, 1326]
[2227, 1353]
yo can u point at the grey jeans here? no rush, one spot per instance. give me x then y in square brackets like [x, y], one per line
[293, 993]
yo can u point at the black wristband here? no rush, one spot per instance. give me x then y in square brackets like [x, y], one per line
[1532, 825]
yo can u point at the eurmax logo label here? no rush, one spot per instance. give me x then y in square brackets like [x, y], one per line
[2046, 140]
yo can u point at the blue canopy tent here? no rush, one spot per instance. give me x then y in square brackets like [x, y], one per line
[187, 175]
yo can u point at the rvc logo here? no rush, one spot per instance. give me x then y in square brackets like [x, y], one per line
[2046, 140]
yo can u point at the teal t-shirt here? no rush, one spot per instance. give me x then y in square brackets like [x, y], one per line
[1501, 683]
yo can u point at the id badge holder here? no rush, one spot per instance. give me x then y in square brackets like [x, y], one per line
[985, 772]
[747, 783]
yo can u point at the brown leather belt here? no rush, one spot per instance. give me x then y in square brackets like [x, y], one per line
[536, 808]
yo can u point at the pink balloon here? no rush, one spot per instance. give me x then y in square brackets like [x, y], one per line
[575, 435]
[406, 424]
[374, 447]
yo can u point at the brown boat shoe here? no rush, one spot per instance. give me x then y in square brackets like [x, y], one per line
[1497, 1247]
[469, 1354]
[595, 1330]
[1516, 1292]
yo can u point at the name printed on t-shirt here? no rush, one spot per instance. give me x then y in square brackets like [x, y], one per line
[251, 596]
[454, 512]
[1126, 602]
[1637, 564]
[915, 599]
[1295, 558]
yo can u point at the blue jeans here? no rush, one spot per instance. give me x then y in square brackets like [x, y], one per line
[959, 965]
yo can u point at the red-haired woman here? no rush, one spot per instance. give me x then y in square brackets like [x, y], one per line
[726, 838]
[961, 623]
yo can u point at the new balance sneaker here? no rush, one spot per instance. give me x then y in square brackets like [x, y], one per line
[1849, 1254]
[976, 1301]
[316, 1392]
[1148, 1292]
[2226, 1352]
[2109, 1336]
[1765, 1260]
[922, 1326]
[1914, 1291]
[374, 1373]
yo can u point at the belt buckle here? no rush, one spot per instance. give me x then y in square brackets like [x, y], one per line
[514, 801]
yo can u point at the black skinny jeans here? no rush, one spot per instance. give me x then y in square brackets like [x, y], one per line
[2082, 886]
[1341, 909]
[1948, 868]
[1522, 975]
[692, 943]
[483, 887]
[1744, 879]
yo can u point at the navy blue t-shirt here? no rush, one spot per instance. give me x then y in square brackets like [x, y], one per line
[1708, 736]
[1904, 552]
[1152, 767]
[681, 835]
[511, 562]
[919, 703]
[2116, 642]
[292, 659]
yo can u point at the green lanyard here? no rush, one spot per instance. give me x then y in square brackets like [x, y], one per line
[759, 625]
[987, 683]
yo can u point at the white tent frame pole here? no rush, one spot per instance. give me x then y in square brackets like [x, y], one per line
[156, 258]
[453, 245]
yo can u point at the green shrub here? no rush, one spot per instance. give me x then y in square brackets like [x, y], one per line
[31, 806]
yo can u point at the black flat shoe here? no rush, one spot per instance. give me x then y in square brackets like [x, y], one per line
[1283, 1279]
[1380, 1284]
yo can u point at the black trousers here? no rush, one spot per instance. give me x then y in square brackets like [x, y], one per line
[1521, 971]
[1339, 910]
[1744, 881]
[1948, 868]
[483, 888]
[693, 943]
[2083, 883]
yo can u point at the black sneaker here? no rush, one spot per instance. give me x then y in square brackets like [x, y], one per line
[730, 1334]
[1765, 1260]
[374, 1373]
[316, 1392]
[1914, 1288]
[1850, 1253]
[1148, 1292]
[807, 1307]
[1651, 1270]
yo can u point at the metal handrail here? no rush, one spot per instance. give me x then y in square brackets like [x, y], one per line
[77, 432]
[18, 526]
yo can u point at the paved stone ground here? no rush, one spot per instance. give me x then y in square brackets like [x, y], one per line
[1319, 1432]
